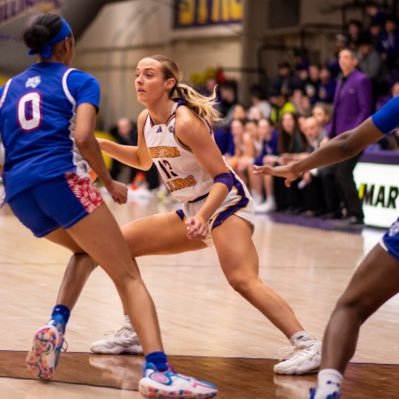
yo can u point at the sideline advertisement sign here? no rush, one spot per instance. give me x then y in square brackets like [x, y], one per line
[378, 186]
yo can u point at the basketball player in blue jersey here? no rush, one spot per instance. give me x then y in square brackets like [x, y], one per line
[376, 279]
[47, 117]
[216, 206]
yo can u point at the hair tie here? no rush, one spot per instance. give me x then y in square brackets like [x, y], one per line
[46, 51]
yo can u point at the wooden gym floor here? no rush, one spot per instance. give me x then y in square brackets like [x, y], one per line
[208, 329]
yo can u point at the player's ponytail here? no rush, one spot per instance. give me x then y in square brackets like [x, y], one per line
[203, 106]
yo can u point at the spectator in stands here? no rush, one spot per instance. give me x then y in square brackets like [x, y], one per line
[236, 145]
[125, 132]
[258, 100]
[222, 129]
[291, 141]
[239, 112]
[322, 113]
[375, 33]
[313, 83]
[369, 59]
[267, 156]
[333, 64]
[228, 98]
[352, 105]
[250, 148]
[254, 113]
[280, 105]
[302, 76]
[353, 33]
[315, 181]
[284, 83]
[389, 43]
[302, 103]
[326, 86]
[375, 14]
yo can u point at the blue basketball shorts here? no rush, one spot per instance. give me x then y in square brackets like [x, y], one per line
[390, 240]
[60, 202]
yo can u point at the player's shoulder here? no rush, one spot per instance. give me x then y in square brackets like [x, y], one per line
[80, 76]
[142, 118]
[185, 117]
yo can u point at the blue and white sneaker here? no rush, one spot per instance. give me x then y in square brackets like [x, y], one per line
[169, 385]
[314, 395]
[43, 358]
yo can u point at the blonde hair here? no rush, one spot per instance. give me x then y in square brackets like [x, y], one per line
[203, 106]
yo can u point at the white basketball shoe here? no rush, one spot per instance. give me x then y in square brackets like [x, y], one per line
[302, 358]
[124, 340]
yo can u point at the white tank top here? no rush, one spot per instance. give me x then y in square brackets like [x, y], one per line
[184, 176]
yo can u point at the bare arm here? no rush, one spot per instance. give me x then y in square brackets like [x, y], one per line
[90, 150]
[341, 147]
[135, 156]
[195, 134]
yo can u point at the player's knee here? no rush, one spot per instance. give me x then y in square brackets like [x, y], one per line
[82, 258]
[123, 276]
[360, 306]
[242, 284]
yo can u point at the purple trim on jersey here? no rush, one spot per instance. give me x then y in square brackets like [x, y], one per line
[181, 214]
[231, 210]
[225, 178]
[198, 198]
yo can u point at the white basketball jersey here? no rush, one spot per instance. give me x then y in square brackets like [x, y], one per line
[184, 176]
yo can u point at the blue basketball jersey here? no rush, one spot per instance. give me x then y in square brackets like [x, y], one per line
[37, 116]
[387, 118]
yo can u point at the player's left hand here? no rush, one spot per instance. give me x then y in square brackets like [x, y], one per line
[197, 228]
[280, 171]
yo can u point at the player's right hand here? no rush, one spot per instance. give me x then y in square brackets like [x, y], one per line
[118, 192]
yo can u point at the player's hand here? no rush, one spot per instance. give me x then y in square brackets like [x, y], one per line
[102, 143]
[280, 171]
[118, 192]
[197, 228]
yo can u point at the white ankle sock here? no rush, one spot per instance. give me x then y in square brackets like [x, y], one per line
[127, 323]
[300, 336]
[329, 381]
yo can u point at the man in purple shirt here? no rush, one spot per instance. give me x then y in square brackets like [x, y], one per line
[352, 105]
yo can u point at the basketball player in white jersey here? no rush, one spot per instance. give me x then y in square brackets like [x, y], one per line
[217, 208]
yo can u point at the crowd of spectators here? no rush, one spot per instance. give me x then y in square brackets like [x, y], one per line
[305, 105]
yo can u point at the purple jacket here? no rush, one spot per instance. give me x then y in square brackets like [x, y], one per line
[353, 104]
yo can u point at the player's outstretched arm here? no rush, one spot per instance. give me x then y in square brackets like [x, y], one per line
[341, 147]
[135, 156]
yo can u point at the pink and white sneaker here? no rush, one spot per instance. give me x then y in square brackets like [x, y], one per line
[170, 385]
[43, 358]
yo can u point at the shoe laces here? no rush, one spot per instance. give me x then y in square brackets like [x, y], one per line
[125, 332]
[64, 347]
[302, 347]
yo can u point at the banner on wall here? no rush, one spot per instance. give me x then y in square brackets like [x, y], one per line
[196, 13]
[12, 8]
